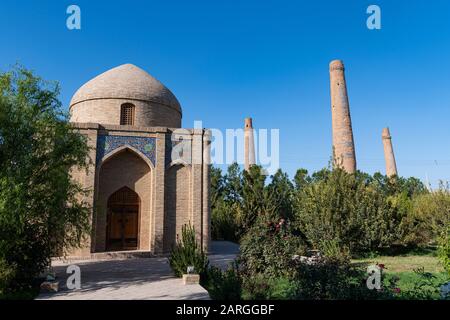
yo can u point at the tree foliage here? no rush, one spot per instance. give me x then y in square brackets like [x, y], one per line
[348, 209]
[431, 213]
[41, 207]
[444, 248]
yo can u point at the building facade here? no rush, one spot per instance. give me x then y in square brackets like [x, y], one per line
[147, 176]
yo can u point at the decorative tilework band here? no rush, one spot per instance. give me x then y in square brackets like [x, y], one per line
[107, 144]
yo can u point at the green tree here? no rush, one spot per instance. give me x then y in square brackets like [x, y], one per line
[41, 207]
[431, 214]
[301, 179]
[225, 222]
[254, 196]
[346, 209]
[281, 191]
[395, 185]
[217, 187]
[233, 184]
[225, 203]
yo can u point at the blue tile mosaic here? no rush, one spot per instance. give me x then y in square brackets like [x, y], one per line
[107, 144]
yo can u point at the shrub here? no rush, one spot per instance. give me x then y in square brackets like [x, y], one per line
[263, 287]
[269, 247]
[444, 249]
[187, 252]
[6, 277]
[267, 259]
[331, 278]
[282, 289]
[223, 285]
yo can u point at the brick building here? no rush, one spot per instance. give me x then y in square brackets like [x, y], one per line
[148, 177]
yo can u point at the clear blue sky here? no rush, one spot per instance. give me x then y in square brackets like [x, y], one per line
[226, 60]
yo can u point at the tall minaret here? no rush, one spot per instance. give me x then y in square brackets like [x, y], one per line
[391, 166]
[249, 144]
[343, 145]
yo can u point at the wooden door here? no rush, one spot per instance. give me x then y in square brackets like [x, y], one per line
[123, 220]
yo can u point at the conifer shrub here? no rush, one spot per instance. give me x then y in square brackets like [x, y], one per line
[187, 252]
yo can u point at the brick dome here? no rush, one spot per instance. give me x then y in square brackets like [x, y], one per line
[100, 99]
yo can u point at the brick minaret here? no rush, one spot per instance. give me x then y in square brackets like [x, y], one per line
[391, 166]
[343, 145]
[249, 144]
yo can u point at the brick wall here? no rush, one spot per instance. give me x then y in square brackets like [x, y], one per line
[177, 203]
[107, 111]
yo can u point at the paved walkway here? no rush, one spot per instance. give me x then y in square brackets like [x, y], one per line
[135, 279]
[223, 253]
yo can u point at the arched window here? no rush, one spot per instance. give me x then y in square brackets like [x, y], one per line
[127, 114]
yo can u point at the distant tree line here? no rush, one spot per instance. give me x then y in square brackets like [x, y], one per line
[362, 213]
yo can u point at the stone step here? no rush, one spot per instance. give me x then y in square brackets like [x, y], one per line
[110, 255]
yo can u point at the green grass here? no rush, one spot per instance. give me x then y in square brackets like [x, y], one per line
[412, 284]
[405, 263]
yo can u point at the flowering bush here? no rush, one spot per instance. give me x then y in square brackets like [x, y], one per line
[268, 248]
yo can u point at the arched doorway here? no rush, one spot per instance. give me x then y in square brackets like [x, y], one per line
[125, 168]
[122, 228]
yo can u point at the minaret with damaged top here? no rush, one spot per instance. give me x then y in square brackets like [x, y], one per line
[343, 144]
[391, 166]
[249, 144]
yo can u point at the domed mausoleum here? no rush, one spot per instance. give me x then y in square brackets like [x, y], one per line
[148, 176]
[102, 99]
